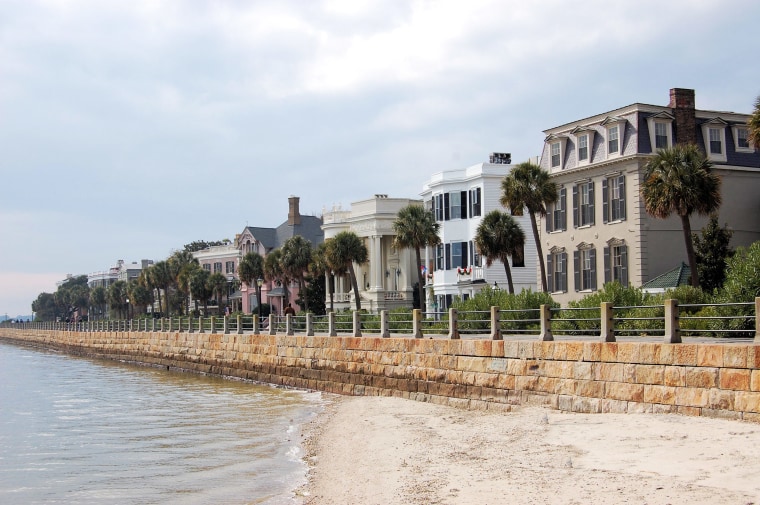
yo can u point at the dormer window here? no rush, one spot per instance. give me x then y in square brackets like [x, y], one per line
[615, 129]
[660, 131]
[584, 140]
[741, 139]
[714, 135]
[556, 151]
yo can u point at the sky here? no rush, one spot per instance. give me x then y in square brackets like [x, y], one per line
[129, 129]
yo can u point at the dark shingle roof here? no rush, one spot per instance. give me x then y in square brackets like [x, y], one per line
[679, 276]
[310, 228]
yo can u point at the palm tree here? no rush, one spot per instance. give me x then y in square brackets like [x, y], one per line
[273, 272]
[99, 298]
[754, 125]
[500, 237]
[183, 263]
[343, 250]
[139, 295]
[679, 180]
[117, 297]
[416, 228]
[199, 288]
[217, 283]
[295, 259]
[319, 267]
[529, 187]
[161, 278]
[250, 270]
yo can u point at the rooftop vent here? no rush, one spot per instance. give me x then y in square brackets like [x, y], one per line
[500, 158]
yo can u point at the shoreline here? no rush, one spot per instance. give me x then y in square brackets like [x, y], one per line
[388, 450]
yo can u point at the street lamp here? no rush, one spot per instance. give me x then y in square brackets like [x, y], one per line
[128, 308]
[259, 282]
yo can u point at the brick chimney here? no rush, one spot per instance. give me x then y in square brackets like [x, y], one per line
[294, 215]
[682, 103]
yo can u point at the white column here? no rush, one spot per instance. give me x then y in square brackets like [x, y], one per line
[377, 258]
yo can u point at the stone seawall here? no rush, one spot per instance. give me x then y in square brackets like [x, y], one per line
[718, 380]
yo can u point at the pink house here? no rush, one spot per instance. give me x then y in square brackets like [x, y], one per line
[265, 240]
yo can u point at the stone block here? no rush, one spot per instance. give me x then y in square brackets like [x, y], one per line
[609, 372]
[590, 388]
[710, 355]
[548, 384]
[685, 354]
[573, 351]
[583, 370]
[691, 397]
[754, 381]
[649, 374]
[721, 414]
[497, 365]
[497, 348]
[526, 350]
[614, 406]
[472, 364]
[608, 351]
[674, 376]
[540, 399]
[735, 379]
[565, 403]
[587, 405]
[662, 409]
[592, 351]
[629, 352]
[511, 349]
[701, 377]
[525, 383]
[735, 356]
[720, 399]
[534, 367]
[688, 411]
[517, 367]
[753, 356]
[624, 391]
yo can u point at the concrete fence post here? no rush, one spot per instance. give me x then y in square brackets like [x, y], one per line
[546, 323]
[272, 324]
[309, 324]
[130, 325]
[331, 325]
[607, 323]
[672, 329]
[201, 329]
[153, 325]
[357, 323]
[213, 324]
[495, 323]
[453, 323]
[239, 324]
[757, 319]
[226, 325]
[417, 323]
[289, 331]
[385, 331]
[161, 327]
[190, 325]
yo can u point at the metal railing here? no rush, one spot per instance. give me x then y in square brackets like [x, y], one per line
[669, 321]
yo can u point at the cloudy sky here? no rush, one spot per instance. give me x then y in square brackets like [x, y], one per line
[128, 129]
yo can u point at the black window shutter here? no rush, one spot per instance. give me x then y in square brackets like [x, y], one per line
[592, 256]
[463, 206]
[563, 258]
[622, 197]
[607, 271]
[446, 212]
[577, 269]
[605, 201]
[447, 264]
[465, 256]
[591, 202]
[624, 261]
[575, 206]
[562, 225]
[549, 223]
[550, 272]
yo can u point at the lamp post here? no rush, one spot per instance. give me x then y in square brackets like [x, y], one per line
[128, 308]
[259, 283]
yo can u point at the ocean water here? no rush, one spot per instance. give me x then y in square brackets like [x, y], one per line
[76, 430]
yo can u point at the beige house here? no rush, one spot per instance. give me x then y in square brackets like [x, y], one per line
[386, 280]
[599, 231]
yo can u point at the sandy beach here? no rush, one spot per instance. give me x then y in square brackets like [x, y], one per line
[385, 451]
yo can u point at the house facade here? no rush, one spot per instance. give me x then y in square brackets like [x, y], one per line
[263, 240]
[386, 281]
[459, 199]
[598, 231]
[223, 259]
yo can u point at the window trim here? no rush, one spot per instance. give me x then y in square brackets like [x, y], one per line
[609, 124]
[578, 206]
[586, 253]
[587, 133]
[609, 203]
[551, 141]
[551, 267]
[609, 266]
[662, 118]
[719, 125]
[735, 131]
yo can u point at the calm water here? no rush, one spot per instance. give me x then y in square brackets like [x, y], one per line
[75, 430]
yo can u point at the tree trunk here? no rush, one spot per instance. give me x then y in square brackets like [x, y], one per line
[690, 250]
[510, 285]
[355, 286]
[331, 287]
[539, 250]
[302, 292]
[420, 284]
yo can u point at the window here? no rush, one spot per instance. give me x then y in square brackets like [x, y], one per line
[218, 267]
[716, 144]
[207, 267]
[556, 214]
[613, 206]
[613, 140]
[616, 264]
[556, 265]
[518, 259]
[458, 205]
[439, 265]
[584, 261]
[583, 204]
[475, 255]
[229, 267]
[660, 136]
[741, 139]
[556, 154]
[475, 202]
[714, 137]
[456, 255]
[583, 148]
